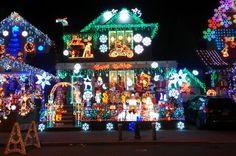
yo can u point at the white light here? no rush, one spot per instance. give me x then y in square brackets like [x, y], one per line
[138, 49]
[195, 72]
[180, 125]
[147, 41]
[24, 33]
[5, 33]
[156, 78]
[158, 126]
[138, 38]
[103, 38]
[103, 48]
[85, 126]
[13, 107]
[109, 126]
[66, 52]
[41, 127]
[104, 87]
[124, 15]
[107, 15]
[154, 65]
[77, 66]
[5, 117]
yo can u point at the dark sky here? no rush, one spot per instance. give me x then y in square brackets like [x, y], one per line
[180, 22]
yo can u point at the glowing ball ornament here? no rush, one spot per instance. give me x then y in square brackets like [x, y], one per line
[154, 65]
[138, 38]
[24, 33]
[147, 41]
[195, 72]
[13, 107]
[40, 48]
[65, 52]
[124, 15]
[107, 15]
[5, 33]
[138, 49]
[77, 66]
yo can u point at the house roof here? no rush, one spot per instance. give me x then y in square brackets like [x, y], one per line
[20, 67]
[115, 23]
[15, 19]
[212, 59]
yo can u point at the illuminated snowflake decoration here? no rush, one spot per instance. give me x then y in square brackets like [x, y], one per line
[137, 12]
[147, 41]
[174, 93]
[1, 40]
[209, 34]
[85, 126]
[103, 38]
[109, 126]
[178, 78]
[138, 49]
[23, 78]
[41, 127]
[158, 126]
[103, 48]
[2, 79]
[138, 38]
[30, 39]
[43, 79]
[180, 125]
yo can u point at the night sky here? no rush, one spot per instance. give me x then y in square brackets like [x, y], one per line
[180, 23]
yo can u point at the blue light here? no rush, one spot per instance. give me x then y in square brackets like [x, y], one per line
[15, 29]
[131, 126]
[40, 48]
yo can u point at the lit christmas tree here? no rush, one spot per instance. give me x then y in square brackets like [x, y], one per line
[14, 45]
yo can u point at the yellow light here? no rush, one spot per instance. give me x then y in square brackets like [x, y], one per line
[120, 37]
[128, 39]
[112, 39]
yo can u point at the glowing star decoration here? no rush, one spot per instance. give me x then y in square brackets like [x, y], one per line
[41, 127]
[174, 93]
[24, 33]
[5, 33]
[154, 65]
[138, 38]
[66, 52]
[103, 48]
[85, 127]
[147, 41]
[2, 79]
[109, 126]
[180, 125]
[124, 15]
[157, 126]
[138, 49]
[43, 80]
[103, 38]
[178, 79]
[137, 12]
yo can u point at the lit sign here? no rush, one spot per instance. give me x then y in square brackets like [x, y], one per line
[113, 66]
